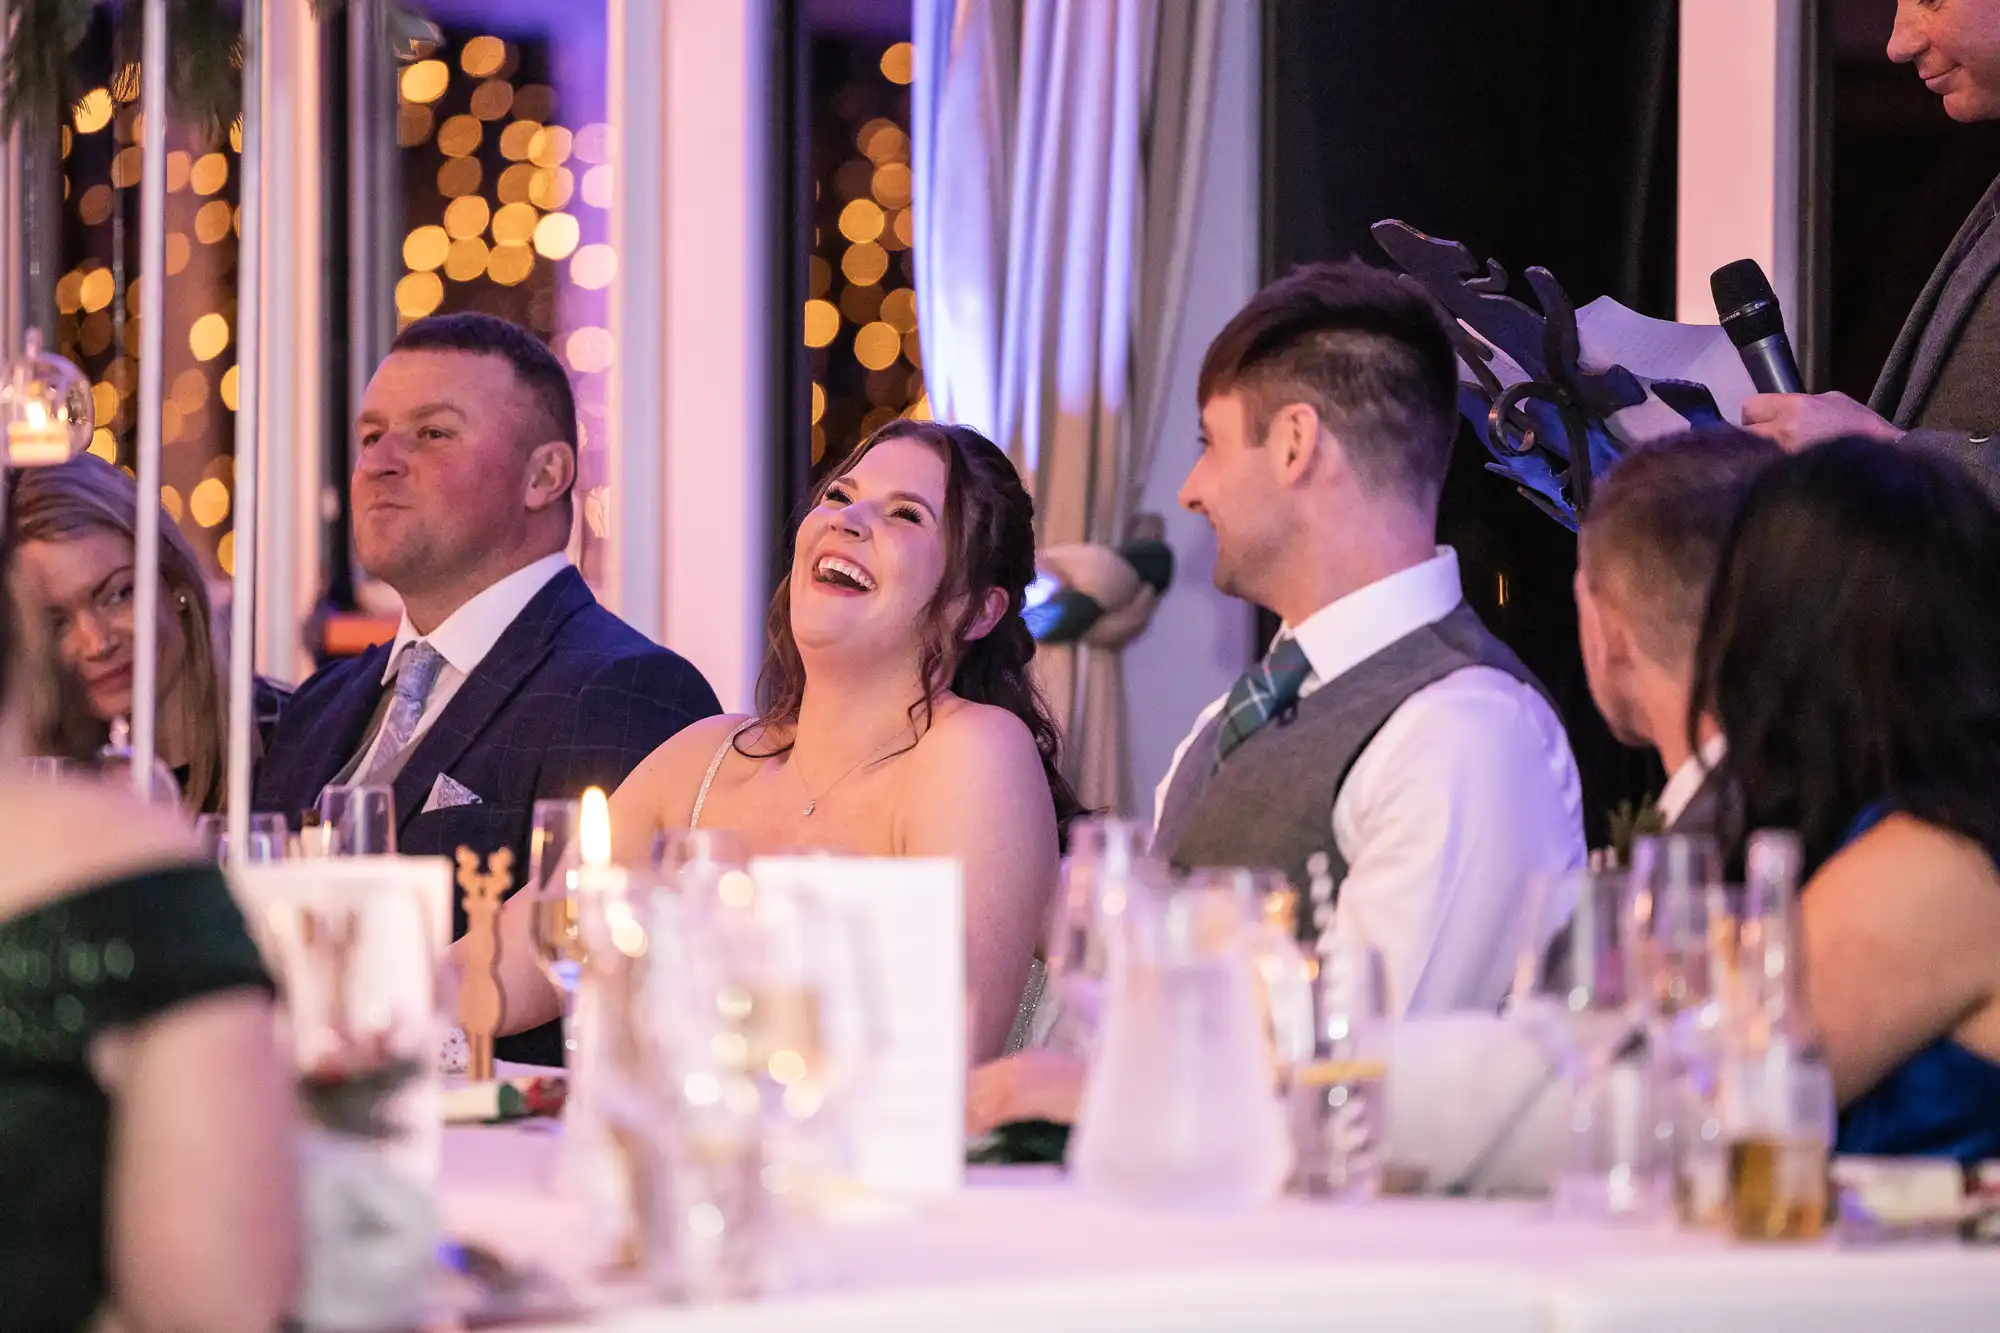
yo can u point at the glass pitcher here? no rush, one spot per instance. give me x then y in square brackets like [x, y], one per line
[1180, 1110]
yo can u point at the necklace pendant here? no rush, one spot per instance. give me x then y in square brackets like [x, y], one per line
[810, 807]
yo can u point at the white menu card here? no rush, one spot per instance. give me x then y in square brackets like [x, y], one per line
[902, 1118]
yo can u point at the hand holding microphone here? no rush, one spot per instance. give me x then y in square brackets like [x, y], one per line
[1748, 310]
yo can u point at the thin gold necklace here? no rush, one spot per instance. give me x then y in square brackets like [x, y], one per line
[812, 801]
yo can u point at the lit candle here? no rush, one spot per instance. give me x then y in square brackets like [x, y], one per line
[594, 832]
[36, 441]
[597, 875]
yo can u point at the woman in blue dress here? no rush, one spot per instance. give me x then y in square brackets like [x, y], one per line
[1851, 652]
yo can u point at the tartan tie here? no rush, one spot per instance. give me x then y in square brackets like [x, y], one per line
[416, 673]
[1265, 690]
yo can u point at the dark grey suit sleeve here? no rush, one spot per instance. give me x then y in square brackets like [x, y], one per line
[1979, 454]
[624, 713]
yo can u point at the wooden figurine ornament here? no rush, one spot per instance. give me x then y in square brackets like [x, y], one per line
[481, 1006]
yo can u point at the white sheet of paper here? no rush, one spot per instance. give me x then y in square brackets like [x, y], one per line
[1658, 349]
[904, 1118]
[1653, 349]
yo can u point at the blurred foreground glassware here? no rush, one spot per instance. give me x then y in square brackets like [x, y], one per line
[554, 858]
[1777, 1099]
[1579, 996]
[1684, 928]
[1179, 1110]
[1107, 860]
[269, 838]
[115, 763]
[57, 768]
[358, 946]
[726, 1025]
[1336, 1096]
[356, 821]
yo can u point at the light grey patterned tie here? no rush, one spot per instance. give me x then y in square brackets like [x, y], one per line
[416, 673]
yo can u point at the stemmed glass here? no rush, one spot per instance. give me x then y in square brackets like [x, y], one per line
[1577, 990]
[553, 859]
[1684, 941]
[1107, 861]
[267, 839]
[357, 821]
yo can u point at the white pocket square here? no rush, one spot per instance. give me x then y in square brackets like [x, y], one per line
[448, 793]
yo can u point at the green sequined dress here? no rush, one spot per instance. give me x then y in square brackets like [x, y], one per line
[106, 958]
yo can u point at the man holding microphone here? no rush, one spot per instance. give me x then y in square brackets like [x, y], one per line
[1940, 388]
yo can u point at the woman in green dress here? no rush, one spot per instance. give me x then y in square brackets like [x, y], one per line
[146, 1157]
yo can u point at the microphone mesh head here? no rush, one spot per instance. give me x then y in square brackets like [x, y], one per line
[1745, 303]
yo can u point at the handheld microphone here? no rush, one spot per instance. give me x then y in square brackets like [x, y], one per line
[1748, 309]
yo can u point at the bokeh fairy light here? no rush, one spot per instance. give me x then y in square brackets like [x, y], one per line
[861, 308]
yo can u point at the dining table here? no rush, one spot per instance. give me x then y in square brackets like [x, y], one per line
[1022, 1249]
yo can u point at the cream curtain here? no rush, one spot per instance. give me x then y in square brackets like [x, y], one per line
[1058, 149]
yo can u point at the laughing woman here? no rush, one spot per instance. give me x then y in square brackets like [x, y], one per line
[898, 717]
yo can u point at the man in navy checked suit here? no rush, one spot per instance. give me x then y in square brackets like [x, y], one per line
[507, 683]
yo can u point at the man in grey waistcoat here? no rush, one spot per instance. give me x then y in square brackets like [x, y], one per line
[1649, 549]
[1387, 743]
[1940, 388]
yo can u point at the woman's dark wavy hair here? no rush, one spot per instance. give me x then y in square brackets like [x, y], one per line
[989, 536]
[1851, 646]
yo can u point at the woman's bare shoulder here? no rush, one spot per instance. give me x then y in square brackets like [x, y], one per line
[964, 729]
[660, 792]
[64, 837]
[1937, 876]
[690, 749]
[1914, 847]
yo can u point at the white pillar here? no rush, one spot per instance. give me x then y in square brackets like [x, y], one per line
[292, 320]
[1742, 147]
[690, 393]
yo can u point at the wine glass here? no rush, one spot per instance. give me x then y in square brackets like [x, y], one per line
[1683, 926]
[357, 821]
[1107, 861]
[267, 839]
[553, 858]
[1581, 998]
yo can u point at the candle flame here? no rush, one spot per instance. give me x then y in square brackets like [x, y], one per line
[594, 829]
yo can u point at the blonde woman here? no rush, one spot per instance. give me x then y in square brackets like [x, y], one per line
[74, 527]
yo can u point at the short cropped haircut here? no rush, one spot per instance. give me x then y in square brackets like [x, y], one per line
[1652, 538]
[1365, 350]
[535, 366]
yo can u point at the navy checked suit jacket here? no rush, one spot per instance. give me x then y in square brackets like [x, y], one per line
[570, 697]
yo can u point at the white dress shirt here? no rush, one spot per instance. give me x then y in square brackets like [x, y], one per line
[463, 640]
[1687, 779]
[1466, 794]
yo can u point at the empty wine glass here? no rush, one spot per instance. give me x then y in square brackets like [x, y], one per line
[357, 821]
[1683, 925]
[1581, 999]
[267, 838]
[1107, 862]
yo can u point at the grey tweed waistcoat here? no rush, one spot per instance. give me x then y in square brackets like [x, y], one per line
[1271, 803]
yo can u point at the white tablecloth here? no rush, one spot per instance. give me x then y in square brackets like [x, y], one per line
[1020, 1252]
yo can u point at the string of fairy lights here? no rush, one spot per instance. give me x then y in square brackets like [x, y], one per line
[507, 210]
[861, 311]
[98, 306]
